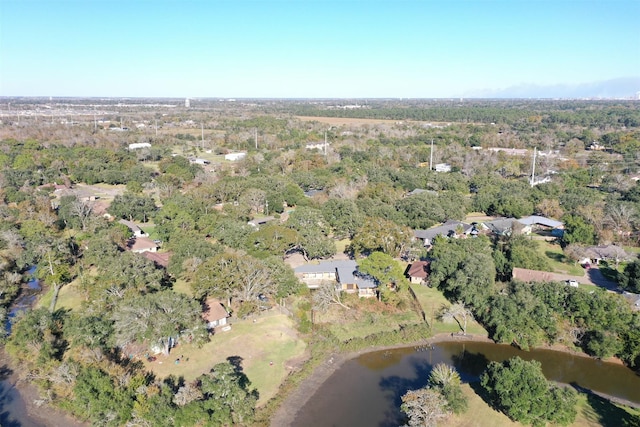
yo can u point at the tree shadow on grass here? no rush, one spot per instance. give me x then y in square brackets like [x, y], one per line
[605, 412]
[236, 362]
[556, 256]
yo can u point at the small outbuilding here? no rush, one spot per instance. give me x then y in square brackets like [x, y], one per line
[214, 314]
[418, 272]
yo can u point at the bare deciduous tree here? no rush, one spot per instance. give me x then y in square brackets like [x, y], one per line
[83, 211]
[327, 295]
[460, 313]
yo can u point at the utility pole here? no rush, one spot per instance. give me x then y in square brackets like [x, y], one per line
[256, 137]
[156, 127]
[431, 156]
[325, 143]
[202, 127]
[533, 168]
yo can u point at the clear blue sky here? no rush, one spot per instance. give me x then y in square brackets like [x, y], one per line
[311, 48]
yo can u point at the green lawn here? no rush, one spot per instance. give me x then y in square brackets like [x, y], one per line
[592, 411]
[372, 323]
[69, 297]
[432, 300]
[341, 245]
[557, 260]
[183, 287]
[267, 350]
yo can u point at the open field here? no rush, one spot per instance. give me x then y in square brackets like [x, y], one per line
[268, 350]
[372, 323]
[432, 300]
[101, 190]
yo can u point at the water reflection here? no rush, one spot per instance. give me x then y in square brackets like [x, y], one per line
[26, 298]
[366, 391]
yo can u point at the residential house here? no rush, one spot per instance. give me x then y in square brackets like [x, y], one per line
[312, 192]
[443, 167]
[529, 276]
[321, 146]
[161, 259]
[199, 161]
[351, 281]
[420, 191]
[138, 145]
[613, 253]
[510, 151]
[214, 314]
[257, 222]
[451, 228]
[537, 222]
[135, 230]
[234, 157]
[344, 273]
[418, 272]
[141, 244]
[502, 226]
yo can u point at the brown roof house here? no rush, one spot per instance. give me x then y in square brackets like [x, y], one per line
[529, 276]
[215, 314]
[160, 259]
[142, 244]
[418, 272]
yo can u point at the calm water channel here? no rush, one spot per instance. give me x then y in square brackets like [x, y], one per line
[13, 411]
[366, 391]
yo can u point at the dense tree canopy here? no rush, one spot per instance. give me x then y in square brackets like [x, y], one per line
[519, 389]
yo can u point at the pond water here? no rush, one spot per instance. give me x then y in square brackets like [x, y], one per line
[13, 411]
[366, 391]
[26, 298]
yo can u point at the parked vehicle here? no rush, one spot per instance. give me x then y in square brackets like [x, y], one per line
[572, 283]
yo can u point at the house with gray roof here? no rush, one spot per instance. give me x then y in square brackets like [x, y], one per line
[450, 228]
[533, 222]
[501, 226]
[135, 230]
[344, 272]
[609, 253]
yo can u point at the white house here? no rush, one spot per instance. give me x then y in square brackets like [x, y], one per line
[443, 167]
[214, 313]
[137, 145]
[233, 157]
[135, 230]
[139, 245]
[199, 161]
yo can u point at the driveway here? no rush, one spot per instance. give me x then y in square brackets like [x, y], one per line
[592, 276]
